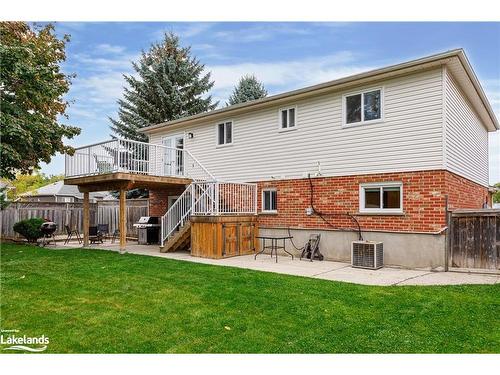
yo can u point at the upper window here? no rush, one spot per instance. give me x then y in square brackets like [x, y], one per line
[382, 197]
[363, 107]
[225, 133]
[269, 200]
[288, 118]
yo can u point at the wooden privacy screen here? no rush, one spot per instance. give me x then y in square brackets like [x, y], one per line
[223, 236]
[474, 240]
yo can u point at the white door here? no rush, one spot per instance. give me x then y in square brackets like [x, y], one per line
[174, 157]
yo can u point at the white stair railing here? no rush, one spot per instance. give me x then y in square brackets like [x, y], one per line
[209, 198]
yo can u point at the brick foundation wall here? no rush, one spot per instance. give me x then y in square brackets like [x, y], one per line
[158, 199]
[424, 201]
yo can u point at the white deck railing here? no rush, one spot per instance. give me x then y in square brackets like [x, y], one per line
[209, 198]
[120, 155]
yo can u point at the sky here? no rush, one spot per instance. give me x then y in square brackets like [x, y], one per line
[284, 56]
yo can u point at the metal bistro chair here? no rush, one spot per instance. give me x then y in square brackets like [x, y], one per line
[70, 233]
[103, 229]
[95, 236]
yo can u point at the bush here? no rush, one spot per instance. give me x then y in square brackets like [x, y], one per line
[29, 228]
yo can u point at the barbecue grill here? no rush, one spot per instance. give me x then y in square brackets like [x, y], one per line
[48, 228]
[149, 230]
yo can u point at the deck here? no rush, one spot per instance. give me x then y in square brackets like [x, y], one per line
[123, 165]
[123, 180]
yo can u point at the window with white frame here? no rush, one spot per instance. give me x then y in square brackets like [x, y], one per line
[225, 133]
[269, 200]
[384, 197]
[288, 118]
[362, 107]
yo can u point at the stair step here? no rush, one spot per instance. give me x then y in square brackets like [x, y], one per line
[179, 240]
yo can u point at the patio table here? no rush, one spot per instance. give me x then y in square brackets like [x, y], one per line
[274, 245]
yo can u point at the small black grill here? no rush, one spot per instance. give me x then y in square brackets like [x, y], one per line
[149, 230]
[48, 228]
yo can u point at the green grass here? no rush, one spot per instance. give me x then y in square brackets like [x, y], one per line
[94, 301]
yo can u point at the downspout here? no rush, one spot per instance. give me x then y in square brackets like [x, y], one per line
[447, 237]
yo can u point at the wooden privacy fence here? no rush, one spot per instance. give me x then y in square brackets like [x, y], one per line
[105, 212]
[474, 240]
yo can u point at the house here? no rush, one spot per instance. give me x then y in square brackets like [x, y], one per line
[380, 155]
[59, 192]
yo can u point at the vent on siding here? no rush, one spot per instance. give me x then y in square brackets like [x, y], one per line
[365, 254]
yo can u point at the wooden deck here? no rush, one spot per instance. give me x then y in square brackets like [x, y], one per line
[123, 181]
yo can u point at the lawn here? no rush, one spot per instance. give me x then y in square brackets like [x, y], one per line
[95, 301]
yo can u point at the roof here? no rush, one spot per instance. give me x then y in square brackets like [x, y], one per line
[456, 61]
[58, 188]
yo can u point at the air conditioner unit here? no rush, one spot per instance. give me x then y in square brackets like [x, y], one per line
[367, 254]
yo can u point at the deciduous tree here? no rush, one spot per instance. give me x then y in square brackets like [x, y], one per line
[32, 89]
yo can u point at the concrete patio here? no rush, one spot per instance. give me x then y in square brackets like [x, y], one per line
[326, 270]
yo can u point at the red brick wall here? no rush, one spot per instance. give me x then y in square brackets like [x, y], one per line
[463, 193]
[158, 199]
[423, 201]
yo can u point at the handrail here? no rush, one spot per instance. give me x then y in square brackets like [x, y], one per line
[122, 155]
[210, 198]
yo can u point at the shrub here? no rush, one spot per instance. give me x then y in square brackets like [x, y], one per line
[29, 228]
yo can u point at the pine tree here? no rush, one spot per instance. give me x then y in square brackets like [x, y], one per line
[169, 84]
[248, 88]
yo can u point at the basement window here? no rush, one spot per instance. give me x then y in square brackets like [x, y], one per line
[269, 201]
[225, 133]
[384, 197]
[362, 107]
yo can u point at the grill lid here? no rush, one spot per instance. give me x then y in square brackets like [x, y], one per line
[148, 220]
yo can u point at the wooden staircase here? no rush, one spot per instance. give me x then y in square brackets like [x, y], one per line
[181, 240]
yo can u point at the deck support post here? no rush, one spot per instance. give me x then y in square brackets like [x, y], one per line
[123, 221]
[86, 218]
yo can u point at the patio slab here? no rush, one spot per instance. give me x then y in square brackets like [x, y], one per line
[325, 270]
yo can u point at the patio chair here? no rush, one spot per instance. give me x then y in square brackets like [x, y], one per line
[116, 234]
[70, 233]
[311, 248]
[95, 236]
[103, 229]
[103, 166]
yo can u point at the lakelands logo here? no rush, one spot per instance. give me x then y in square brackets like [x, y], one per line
[22, 343]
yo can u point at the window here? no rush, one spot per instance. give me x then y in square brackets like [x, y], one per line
[269, 200]
[382, 197]
[287, 118]
[363, 107]
[225, 133]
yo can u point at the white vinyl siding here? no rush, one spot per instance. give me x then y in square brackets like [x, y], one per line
[409, 138]
[466, 137]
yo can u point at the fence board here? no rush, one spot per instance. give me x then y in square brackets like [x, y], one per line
[475, 239]
[72, 214]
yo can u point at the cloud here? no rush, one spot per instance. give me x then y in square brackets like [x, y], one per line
[261, 32]
[106, 48]
[281, 76]
[184, 30]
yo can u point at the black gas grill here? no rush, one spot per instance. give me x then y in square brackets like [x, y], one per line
[149, 230]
